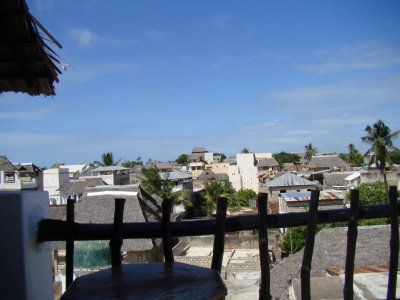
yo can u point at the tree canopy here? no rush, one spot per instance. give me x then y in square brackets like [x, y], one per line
[380, 137]
[284, 157]
[132, 163]
[310, 151]
[182, 159]
[107, 159]
[245, 150]
[353, 157]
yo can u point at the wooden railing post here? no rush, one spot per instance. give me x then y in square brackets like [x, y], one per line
[264, 291]
[219, 237]
[351, 245]
[69, 243]
[309, 247]
[394, 242]
[166, 207]
[117, 234]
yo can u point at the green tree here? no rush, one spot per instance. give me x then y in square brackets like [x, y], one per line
[294, 239]
[380, 137]
[395, 156]
[241, 198]
[310, 151]
[217, 189]
[153, 184]
[107, 159]
[370, 193]
[132, 163]
[245, 150]
[151, 181]
[284, 157]
[182, 159]
[354, 158]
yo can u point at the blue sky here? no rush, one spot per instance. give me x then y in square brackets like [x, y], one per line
[156, 78]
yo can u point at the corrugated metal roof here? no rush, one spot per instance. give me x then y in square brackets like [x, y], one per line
[289, 179]
[306, 196]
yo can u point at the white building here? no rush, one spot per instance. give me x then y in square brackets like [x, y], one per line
[53, 179]
[76, 171]
[13, 178]
[243, 175]
[112, 175]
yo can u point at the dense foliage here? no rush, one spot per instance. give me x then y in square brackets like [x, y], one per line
[310, 151]
[371, 193]
[242, 198]
[153, 184]
[90, 254]
[395, 156]
[284, 157]
[107, 159]
[131, 163]
[380, 137]
[182, 159]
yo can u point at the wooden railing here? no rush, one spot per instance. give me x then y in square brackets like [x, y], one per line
[70, 231]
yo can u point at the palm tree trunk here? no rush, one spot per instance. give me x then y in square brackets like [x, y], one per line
[386, 186]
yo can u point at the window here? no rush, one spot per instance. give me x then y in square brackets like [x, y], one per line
[9, 177]
[282, 191]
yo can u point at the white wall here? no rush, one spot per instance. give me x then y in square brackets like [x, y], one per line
[248, 172]
[234, 177]
[209, 157]
[25, 264]
[53, 179]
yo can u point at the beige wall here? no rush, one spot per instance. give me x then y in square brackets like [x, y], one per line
[219, 168]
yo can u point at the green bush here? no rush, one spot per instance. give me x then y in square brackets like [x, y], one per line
[91, 254]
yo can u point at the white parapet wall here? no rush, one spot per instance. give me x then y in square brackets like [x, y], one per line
[25, 264]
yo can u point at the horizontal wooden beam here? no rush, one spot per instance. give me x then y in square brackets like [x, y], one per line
[57, 230]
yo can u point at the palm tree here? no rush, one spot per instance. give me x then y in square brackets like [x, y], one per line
[153, 184]
[107, 159]
[354, 158]
[245, 150]
[380, 137]
[310, 151]
[216, 189]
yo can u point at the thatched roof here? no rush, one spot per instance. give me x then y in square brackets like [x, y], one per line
[27, 168]
[327, 161]
[337, 178]
[267, 162]
[78, 187]
[27, 63]
[99, 209]
[330, 251]
[6, 165]
[208, 175]
[199, 150]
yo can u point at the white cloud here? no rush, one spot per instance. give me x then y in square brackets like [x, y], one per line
[222, 20]
[78, 73]
[85, 37]
[357, 57]
[155, 35]
[27, 115]
[220, 63]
